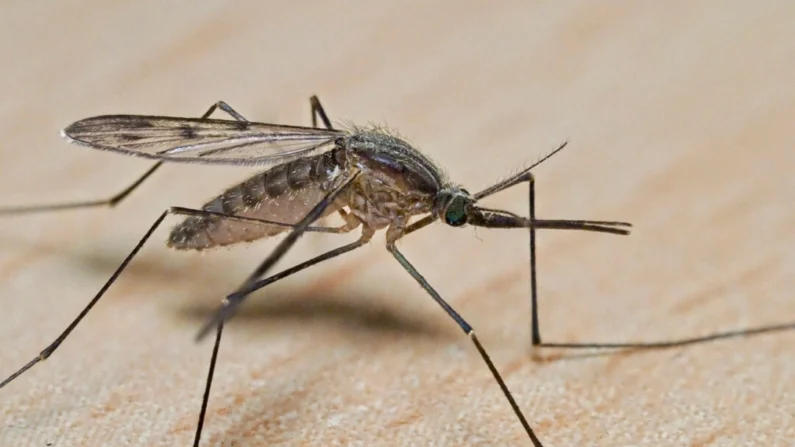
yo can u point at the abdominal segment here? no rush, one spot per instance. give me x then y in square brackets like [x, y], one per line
[284, 194]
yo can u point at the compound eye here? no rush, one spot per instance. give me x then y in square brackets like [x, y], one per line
[456, 214]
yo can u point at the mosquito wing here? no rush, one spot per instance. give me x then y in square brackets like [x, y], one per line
[198, 140]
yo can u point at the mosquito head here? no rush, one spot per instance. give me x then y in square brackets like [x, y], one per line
[456, 207]
[453, 205]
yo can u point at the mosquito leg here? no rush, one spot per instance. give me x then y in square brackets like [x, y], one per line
[256, 286]
[526, 176]
[679, 342]
[228, 306]
[231, 302]
[57, 342]
[118, 197]
[348, 226]
[317, 110]
[471, 333]
[174, 210]
[536, 333]
[219, 332]
[351, 223]
[111, 202]
[306, 264]
[226, 108]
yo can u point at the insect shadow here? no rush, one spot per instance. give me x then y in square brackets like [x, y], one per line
[355, 310]
[371, 178]
[353, 313]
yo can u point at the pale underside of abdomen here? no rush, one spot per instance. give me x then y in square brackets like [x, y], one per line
[284, 194]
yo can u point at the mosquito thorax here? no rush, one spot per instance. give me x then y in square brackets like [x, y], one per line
[452, 206]
[394, 161]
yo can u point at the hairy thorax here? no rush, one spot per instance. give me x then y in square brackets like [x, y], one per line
[379, 205]
[395, 181]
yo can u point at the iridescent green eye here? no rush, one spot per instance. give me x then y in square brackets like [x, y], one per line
[456, 215]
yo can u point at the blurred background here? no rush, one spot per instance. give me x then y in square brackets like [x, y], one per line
[678, 117]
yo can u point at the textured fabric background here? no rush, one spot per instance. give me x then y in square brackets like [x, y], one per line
[679, 117]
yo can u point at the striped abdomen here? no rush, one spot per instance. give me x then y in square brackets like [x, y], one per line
[284, 193]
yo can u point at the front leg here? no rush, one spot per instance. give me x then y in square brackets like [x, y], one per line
[526, 176]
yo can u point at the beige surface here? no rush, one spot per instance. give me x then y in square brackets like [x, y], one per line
[679, 118]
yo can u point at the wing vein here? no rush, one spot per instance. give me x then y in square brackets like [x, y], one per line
[195, 140]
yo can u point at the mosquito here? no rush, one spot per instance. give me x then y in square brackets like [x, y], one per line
[369, 176]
